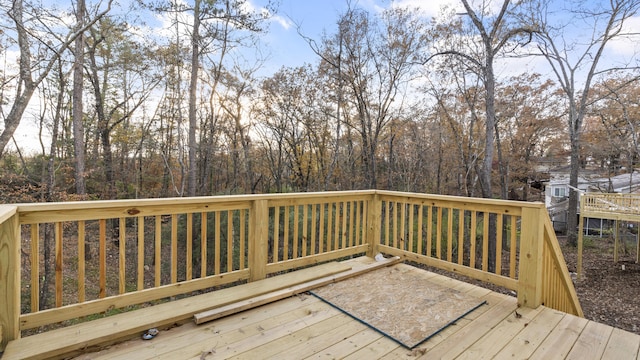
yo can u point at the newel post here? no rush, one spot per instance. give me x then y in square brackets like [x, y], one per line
[374, 221]
[530, 269]
[258, 239]
[9, 275]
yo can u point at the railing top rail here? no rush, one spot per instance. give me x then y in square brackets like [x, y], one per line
[103, 209]
[95, 204]
[468, 200]
[7, 211]
[611, 195]
[87, 210]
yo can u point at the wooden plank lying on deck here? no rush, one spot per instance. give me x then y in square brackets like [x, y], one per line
[60, 342]
[217, 313]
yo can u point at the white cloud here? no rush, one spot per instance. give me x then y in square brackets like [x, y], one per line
[282, 21]
[627, 46]
[430, 8]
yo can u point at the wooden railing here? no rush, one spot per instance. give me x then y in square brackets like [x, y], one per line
[507, 243]
[606, 205]
[109, 255]
[614, 206]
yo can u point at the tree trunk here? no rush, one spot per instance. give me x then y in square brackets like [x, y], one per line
[26, 85]
[78, 127]
[47, 243]
[193, 84]
[572, 211]
[487, 164]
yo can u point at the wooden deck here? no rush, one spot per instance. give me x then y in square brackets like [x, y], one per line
[303, 326]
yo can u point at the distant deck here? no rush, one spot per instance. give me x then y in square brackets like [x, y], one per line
[613, 206]
[303, 326]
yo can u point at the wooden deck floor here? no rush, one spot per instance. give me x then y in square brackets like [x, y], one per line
[304, 327]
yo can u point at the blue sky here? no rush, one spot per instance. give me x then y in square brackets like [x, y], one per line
[315, 16]
[286, 46]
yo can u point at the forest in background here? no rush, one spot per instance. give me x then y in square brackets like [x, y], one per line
[395, 100]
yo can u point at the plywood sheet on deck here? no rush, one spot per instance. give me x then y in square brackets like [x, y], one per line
[399, 302]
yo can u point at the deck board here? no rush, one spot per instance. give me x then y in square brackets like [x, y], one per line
[528, 340]
[622, 343]
[560, 341]
[348, 346]
[498, 337]
[231, 344]
[459, 341]
[592, 341]
[60, 342]
[374, 350]
[302, 327]
[316, 340]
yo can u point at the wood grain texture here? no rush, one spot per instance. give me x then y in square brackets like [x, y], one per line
[9, 275]
[57, 343]
[303, 327]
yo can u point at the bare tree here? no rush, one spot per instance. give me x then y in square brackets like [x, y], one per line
[377, 58]
[495, 31]
[576, 62]
[116, 62]
[212, 24]
[28, 78]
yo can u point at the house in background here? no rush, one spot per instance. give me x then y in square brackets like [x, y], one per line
[557, 194]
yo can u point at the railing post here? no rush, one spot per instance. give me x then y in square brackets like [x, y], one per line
[9, 275]
[530, 269]
[258, 239]
[374, 218]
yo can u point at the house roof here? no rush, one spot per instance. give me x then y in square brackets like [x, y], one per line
[591, 181]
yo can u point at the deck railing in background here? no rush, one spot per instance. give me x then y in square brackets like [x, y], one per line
[109, 255]
[605, 205]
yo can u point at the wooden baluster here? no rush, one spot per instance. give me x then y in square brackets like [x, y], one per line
[189, 240]
[449, 234]
[460, 236]
[472, 239]
[485, 240]
[122, 259]
[439, 233]
[296, 229]
[174, 248]
[103, 258]
[58, 262]
[203, 245]
[285, 251]
[276, 233]
[243, 238]
[499, 228]
[217, 258]
[229, 240]
[158, 251]
[34, 258]
[140, 252]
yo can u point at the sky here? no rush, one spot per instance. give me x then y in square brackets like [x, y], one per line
[313, 17]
